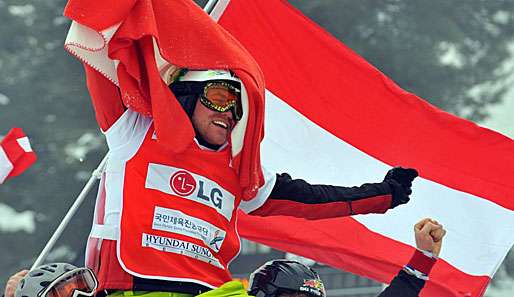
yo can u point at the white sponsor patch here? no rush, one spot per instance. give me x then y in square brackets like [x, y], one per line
[175, 221]
[180, 247]
[194, 187]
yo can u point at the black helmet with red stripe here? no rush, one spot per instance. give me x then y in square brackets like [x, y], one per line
[285, 277]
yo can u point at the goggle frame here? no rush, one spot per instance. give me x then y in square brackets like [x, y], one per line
[235, 105]
[66, 276]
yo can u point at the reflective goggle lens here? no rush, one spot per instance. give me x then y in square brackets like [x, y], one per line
[79, 282]
[221, 97]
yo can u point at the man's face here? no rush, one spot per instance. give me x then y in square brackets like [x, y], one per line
[215, 127]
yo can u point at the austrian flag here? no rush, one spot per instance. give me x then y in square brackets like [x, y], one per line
[16, 155]
[332, 118]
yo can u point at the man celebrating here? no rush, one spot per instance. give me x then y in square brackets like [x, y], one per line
[184, 151]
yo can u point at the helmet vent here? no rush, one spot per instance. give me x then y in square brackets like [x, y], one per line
[36, 273]
[48, 268]
[44, 284]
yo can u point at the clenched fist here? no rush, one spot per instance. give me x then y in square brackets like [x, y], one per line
[13, 282]
[429, 235]
[400, 180]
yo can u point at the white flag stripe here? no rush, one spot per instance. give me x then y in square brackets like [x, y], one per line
[24, 144]
[471, 245]
[5, 165]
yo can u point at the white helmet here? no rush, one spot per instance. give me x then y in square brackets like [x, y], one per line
[57, 279]
[207, 75]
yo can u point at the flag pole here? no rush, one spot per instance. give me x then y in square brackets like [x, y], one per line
[96, 174]
[210, 6]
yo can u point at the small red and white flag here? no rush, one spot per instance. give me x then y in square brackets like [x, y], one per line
[16, 154]
[332, 118]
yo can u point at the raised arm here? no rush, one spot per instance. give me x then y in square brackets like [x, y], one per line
[106, 98]
[296, 197]
[409, 281]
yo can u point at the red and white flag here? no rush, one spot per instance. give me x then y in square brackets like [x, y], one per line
[332, 118]
[16, 155]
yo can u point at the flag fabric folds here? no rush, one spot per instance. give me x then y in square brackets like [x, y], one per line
[16, 154]
[333, 118]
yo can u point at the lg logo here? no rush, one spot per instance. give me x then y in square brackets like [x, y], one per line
[183, 183]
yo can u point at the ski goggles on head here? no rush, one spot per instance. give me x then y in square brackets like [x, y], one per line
[221, 97]
[74, 283]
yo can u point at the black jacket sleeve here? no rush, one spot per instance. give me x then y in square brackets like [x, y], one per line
[296, 197]
[403, 285]
[299, 190]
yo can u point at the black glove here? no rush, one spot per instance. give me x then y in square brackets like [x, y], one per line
[400, 180]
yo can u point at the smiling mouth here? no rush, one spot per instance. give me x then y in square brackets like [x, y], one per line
[220, 124]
